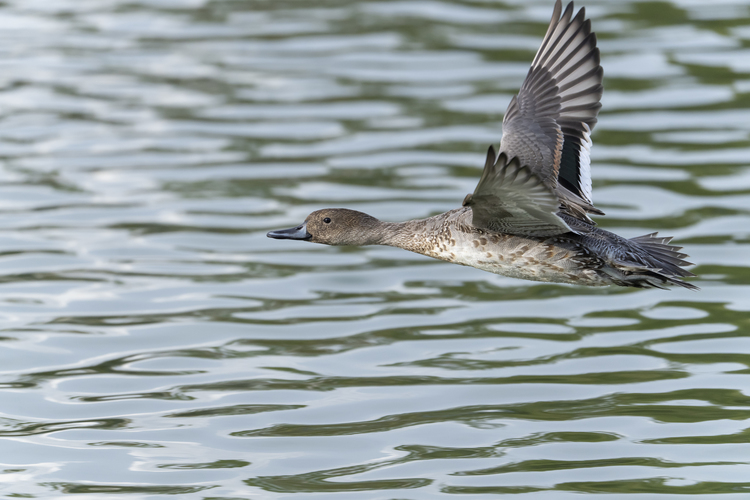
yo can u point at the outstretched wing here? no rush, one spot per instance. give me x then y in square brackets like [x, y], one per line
[547, 126]
[512, 199]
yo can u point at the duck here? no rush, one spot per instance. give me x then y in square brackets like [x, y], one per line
[529, 215]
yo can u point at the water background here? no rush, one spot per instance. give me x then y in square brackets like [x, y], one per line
[155, 344]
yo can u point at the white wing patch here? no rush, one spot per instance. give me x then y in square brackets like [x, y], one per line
[584, 164]
[548, 124]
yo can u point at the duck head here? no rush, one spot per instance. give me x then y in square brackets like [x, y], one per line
[335, 226]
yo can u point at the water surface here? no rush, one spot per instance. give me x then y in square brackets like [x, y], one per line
[156, 344]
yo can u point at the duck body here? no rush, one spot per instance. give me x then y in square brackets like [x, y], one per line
[590, 256]
[452, 238]
[528, 217]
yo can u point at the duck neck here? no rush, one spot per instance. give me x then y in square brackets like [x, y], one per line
[410, 235]
[367, 230]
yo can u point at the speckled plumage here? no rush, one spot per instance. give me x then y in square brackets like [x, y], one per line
[454, 239]
[528, 216]
[591, 256]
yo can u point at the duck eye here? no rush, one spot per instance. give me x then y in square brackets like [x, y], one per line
[327, 220]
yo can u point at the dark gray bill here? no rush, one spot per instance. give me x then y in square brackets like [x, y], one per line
[294, 233]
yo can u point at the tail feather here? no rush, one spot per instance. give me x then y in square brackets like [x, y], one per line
[659, 245]
[627, 274]
[658, 264]
[675, 261]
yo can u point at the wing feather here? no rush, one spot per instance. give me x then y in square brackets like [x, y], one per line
[512, 199]
[548, 124]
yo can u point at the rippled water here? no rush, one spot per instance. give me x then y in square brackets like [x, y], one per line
[156, 343]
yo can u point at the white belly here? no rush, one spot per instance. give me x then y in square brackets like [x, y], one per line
[516, 257]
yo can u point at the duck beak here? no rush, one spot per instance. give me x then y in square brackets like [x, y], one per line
[293, 233]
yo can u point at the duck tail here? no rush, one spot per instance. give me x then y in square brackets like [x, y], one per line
[656, 265]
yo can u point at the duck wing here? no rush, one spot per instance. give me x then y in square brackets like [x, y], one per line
[547, 126]
[510, 198]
